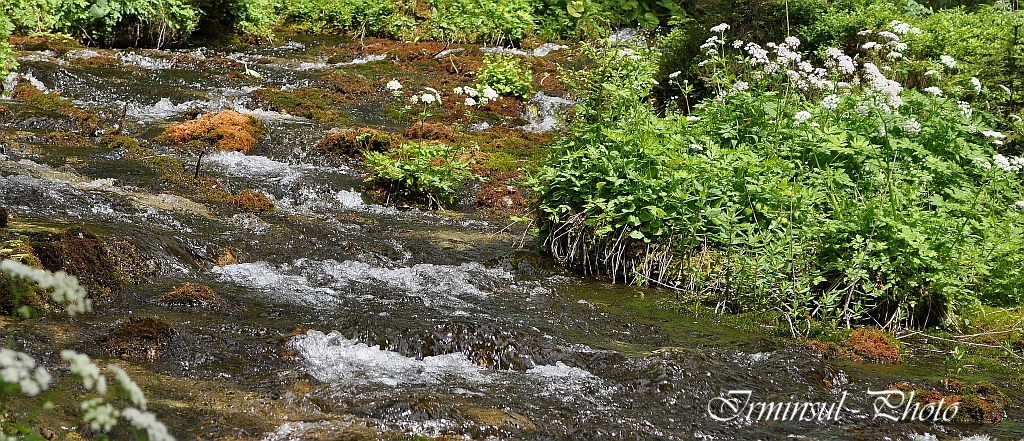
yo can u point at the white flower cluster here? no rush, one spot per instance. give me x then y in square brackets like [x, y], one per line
[947, 61]
[830, 103]
[965, 109]
[902, 28]
[977, 84]
[1009, 165]
[720, 28]
[475, 97]
[394, 85]
[81, 365]
[134, 392]
[842, 61]
[800, 117]
[20, 368]
[934, 91]
[911, 127]
[155, 430]
[66, 289]
[997, 137]
[100, 416]
[889, 89]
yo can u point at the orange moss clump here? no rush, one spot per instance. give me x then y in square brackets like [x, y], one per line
[874, 345]
[426, 130]
[227, 130]
[251, 201]
[355, 141]
[193, 295]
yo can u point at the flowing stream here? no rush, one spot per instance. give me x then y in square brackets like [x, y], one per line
[351, 319]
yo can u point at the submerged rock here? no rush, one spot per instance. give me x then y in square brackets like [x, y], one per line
[140, 337]
[193, 295]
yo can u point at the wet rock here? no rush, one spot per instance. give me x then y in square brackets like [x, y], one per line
[193, 295]
[3, 217]
[83, 255]
[347, 143]
[251, 201]
[140, 338]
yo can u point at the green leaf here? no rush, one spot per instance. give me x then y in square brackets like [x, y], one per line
[636, 234]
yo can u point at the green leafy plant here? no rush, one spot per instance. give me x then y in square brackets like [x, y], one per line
[506, 74]
[826, 192]
[435, 172]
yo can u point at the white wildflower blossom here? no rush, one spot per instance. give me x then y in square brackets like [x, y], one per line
[869, 45]
[993, 134]
[653, 81]
[81, 365]
[899, 27]
[155, 430]
[965, 109]
[470, 101]
[983, 163]
[697, 147]
[792, 42]
[470, 91]
[710, 42]
[674, 74]
[889, 35]
[894, 55]
[737, 44]
[830, 102]
[911, 127]
[1018, 204]
[692, 118]
[625, 52]
[1009, 165]
[865, 32]
[771, 68]
[801, 116]
[933, 90]
[428, 98]
[931, 73]
[740, 86]
[415, 99]
[881, 130]
[977, 84]
[806, 67]
[101, 417]
[20, 368]
[757, 54]
[948, 61]
[394, 85]
[66, 289]
[720, 28]
[490, 93]
[457, 90]
[134, 392]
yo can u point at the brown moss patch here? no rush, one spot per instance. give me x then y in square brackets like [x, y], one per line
[306, 102]
[83, 255]
[193, 295]
[227, 130]
[97, 61]
[500, 199]
[66, 139]
[978, 403]
[226, 258]
[432, 131]
[873, 345]
[352, 142]
[506, 106]
[139, 337]
[251, 201]
[351, 85]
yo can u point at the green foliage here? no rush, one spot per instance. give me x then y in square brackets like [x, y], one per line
[786, 191]
[490, 21]
[383, 18]
[7, 61]
[108, 22]
[506, 74]
[432, 171]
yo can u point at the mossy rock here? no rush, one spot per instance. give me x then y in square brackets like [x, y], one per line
[227, 130]
[193, 295]
[140, 337]
[352, 142]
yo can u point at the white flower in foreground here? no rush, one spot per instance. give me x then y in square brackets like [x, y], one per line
[899, 27]
[864, 32]
[470, 91]
[830, 102]
[740, 86]
[993, 134]
[134, 392]
[155, 430]
[66, 289]
[100, 416]
[457, 90]
[737, 44]
[977, 84]
[674, 74]
[1009, 165]
[428, 98]
[394, 85]
[470, 101]
[802, 116]
[20, 368]
[490, 93]
[415, 99]
[1018, 204]
[912, 127]
[792, 42]
[692, 118]
[869, 45]
[983, 163]
[933, 90]
[891, 36]
[948, 61]
[720, 28]
[81, 364]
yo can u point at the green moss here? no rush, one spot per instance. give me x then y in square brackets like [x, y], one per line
[307, 102]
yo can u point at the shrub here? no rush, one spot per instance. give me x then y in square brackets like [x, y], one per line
[823, 192]
[506, 74]
[107, 22]
[487, 21]
[435, 172]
